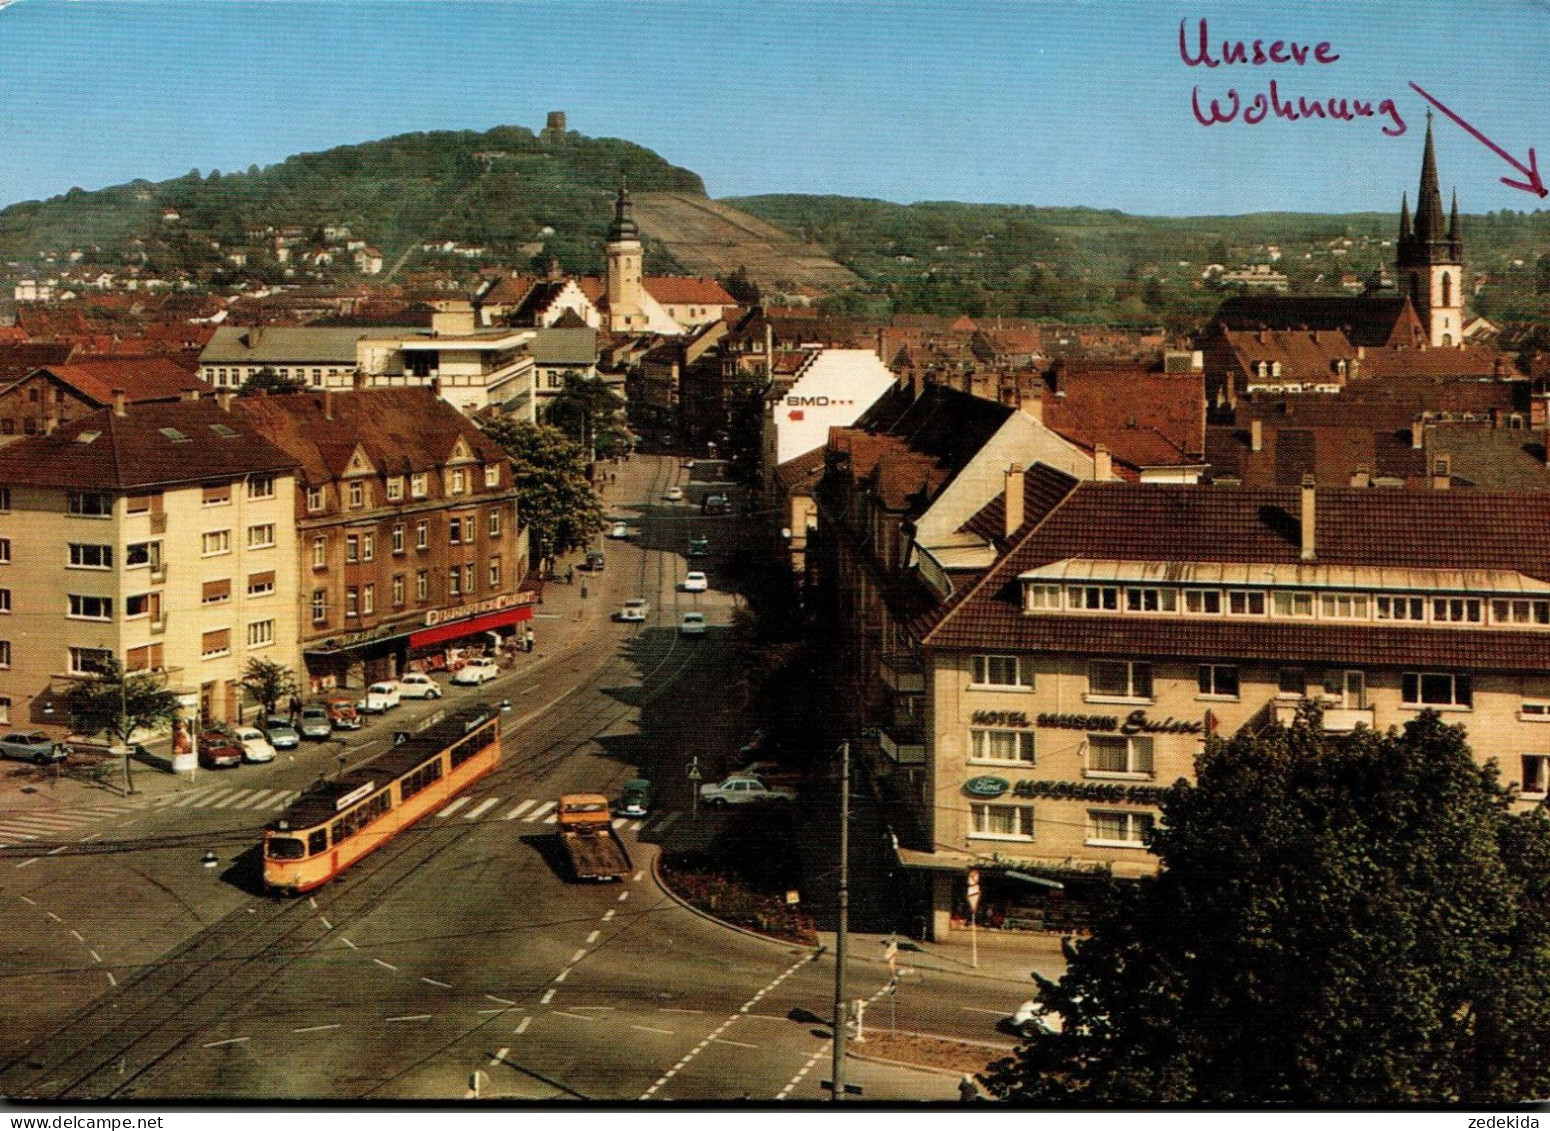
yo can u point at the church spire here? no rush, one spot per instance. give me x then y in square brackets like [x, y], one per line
[1453, 219]
[1404, 216]
[1428, 205]
[624, 226]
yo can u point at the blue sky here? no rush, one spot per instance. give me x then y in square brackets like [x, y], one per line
[1072, 102]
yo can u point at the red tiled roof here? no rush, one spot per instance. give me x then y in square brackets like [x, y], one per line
[684, 291]
[1462, 361]
[1105, 400]
[1366, 320]
[801, 471]
[142, 379]
[1043, 488]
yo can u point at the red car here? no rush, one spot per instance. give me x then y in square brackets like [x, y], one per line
[219, 750]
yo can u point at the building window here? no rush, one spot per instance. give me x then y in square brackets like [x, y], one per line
[398, 590]
[368, 547]
[1001, 671]
[88, 661]
[1114, 755]
[1119, 679]
[1219, 681]
[1100, 598]
[1001, 822]
[1401, 608]
[1436, 689]
[91, 504]
[1343, 606]
[419, 484]
[368, 599]
[1203, 601]
[459, 481]
[421, 537]
[421, 585]
[357, 494]
[1001, 746]
[1456, 610]
[1297, 604]
[495, 572]
[395, 488]
[1042, 598]
[1536, 775]
[142, 553]
[215, 643]
[1292, 681]
[454, 530]
[1118, 828]
[319, 605]
[5, 551]
[320, 553]
[5, 498]
[1152, 600]
[261, 584]
[492, 475]
[495, 524]
[261, 486]
[314, 498]
[454, 582]
[90, 556]
[1246, 602]
[216, 542]
[352, 548]
[260, 633]
[217, 495]
[1520, 612]
[215, 592]
[352, 601]
[261, 537]
[398, 537]
[90, 608]
[5, 600]
[143, 504]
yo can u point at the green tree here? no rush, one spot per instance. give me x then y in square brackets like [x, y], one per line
[741, 287]
[266, 380]
[267, 682]
[118, 704]
[554, 494]
[589, 413]
[1347, 920]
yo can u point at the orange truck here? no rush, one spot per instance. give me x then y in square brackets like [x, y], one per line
[586, 829]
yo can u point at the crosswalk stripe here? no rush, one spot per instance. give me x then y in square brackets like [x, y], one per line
[483, 807]
[454, 807]
[620, 822]
[520, 809]
[635, 826]
[44, 821]
[197, 795]
[260, 799]
[285, 799]
[209, 802]
[240, 795]
[16, 834]
[551, 819]
[537, 814]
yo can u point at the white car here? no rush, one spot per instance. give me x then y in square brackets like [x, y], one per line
[695, 582]
[693, 624]
[255, 747]
[418, 685]
[475, 672]
[674, 495]
[619, 530]
[740, 789]
[635, 609]
[380, 697]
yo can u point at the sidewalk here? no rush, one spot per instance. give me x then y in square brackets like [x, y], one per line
[1003, 956]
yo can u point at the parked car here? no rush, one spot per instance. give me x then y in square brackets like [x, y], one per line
[695, 582]
[315, 722]
[418, 685]
[595, 561]
[635, 801]
[674, 494]
[219, 750]
[280, 733]
[619, 530]
[635, 609]
[380, 697]
[255, 747]
[693, 624]
[475, 672]
[772, 773]
[716, 504]
[30, 746]
[342, 713]
[699, 546]
[740, 789]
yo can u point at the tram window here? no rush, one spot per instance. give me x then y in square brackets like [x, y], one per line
[317, 841]
[419, 779]
[466, 748]
[286, 848]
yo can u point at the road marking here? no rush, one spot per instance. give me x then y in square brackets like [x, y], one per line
[502, 1000]
[24, 863]
[638, 876]
[208, 802]
[24, 899]
[620, 822]
[384, 965]
[434, 982]
[670, 1009]
[522, 1025]
[592, 938]
[95, 957]
[348, 943]
[500, 1055]
[520, 809]
[57, 851]
[240, 795]
[537, 814]
[77, 935]
[547, 998]
[262, 798]
[327, 926]
[481, 809]
[316, 1028]
[407, 1017]
[992, 1012]
[495, 1012]
[797, 1079]
[197, 795]
[285, 799]
[577, 957]
[649, 1029]
[54, 917]
[454, 807]
[573, 1016]
[609, 914]
[228, 1041]
[112, 981]
[739, 1044]
[550, 819]
[602, 1008]
[562, 975]
[312, 902]
[93, 836]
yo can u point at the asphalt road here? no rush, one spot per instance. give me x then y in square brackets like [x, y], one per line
[459, 953]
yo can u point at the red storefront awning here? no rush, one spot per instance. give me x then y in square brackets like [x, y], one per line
[460, 628]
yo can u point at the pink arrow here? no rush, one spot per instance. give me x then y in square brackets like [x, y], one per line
[1531, 170]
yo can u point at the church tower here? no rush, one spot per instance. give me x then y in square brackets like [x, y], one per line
[1431, 257]
[624, 287]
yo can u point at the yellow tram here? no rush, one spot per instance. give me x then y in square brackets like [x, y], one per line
[335, 823]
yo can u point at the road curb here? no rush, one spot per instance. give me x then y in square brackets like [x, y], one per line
[966, 972]
[953, 1072]
[666, 889]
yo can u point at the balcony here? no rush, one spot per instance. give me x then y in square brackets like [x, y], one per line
[1337, 720]
[906, 745]
[902, 674]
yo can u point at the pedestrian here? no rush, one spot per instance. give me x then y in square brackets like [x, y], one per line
[295, 707]
[570, 575]
[528, 640]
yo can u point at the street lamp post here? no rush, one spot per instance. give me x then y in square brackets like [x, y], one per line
[842, 927]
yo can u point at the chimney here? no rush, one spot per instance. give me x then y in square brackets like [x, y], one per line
[190, 394]
[1309, 541]
[1014, 499]
[224, 399]
[435, 386]
[1442, 472]
[119, 407]
[1417, 435]
[328, 404]
[1103, 464]
[1362, 477]
[1256, 435]
[1032, 403]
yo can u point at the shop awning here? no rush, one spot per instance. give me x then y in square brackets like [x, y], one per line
[458, 629]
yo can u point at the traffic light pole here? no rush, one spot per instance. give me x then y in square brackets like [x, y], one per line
[842, 927]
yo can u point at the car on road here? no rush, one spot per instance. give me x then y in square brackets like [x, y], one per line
[596, 561]
[255, 747]
[695, 582]
[693, 624]
[476, 672]
[635, 609]
[716, 504]
[280, 733]
[315, 722]
[380, 697]
[699, 546]
[342, 713]
[635, 800]
[619, 530]
[418, 685]
[772, 773]
[740, 789]
[30, 746]
[674, 494]
[219, 751]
